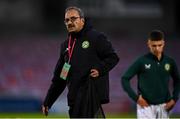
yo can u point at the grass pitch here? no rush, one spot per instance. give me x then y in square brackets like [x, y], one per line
[65, 116]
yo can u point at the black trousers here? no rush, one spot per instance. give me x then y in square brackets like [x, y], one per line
[99, 114]
[71, 112]
[87, 103]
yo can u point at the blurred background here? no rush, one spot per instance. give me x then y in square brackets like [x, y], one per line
[31, 32]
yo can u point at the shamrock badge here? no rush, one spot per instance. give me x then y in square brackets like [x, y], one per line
[85, 44]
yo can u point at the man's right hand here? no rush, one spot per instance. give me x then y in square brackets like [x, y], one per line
[45, 110]
[142, 102]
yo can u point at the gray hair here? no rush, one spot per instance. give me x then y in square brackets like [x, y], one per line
[81, 13]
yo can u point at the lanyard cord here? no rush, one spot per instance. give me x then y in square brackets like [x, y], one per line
[70, 50]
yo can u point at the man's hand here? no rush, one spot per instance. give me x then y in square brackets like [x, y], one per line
[45, 110]
[142, 102]
[169, 105]
[94, 73]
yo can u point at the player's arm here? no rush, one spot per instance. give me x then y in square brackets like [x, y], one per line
[176, 82]
[142, 102]
[169, 105]
[176, 87]
[127, 76]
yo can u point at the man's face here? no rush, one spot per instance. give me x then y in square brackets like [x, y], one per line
[73, 22]
[156, 47]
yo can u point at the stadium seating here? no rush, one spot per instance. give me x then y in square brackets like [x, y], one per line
[27, 64]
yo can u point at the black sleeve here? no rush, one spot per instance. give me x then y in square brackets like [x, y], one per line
[58, 85]
[176, 81]
[61, 61]
[106, 54]
[54, 91]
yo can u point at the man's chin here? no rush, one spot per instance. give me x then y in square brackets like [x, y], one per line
[71, 31]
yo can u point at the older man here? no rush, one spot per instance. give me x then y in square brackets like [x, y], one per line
[86, 58]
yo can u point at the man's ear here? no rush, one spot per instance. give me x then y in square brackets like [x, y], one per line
[83, 19]
[148, 42]
[164, 43]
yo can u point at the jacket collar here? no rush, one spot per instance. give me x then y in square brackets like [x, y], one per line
[152, 56]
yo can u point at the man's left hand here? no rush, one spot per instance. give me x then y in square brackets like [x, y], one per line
[169, 105]
[94, 73]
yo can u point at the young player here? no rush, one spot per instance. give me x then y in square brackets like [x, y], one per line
[153, 70]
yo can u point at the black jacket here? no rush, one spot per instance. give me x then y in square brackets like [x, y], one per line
[99, 55]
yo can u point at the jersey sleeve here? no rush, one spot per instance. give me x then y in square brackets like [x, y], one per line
[127, 76]
[176, 81]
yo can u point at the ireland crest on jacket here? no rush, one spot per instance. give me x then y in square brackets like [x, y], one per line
[167, 67]
[85, 44]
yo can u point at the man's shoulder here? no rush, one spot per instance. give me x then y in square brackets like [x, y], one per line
[64, 43]
[95, 33]
[142, 58]
[169, 58]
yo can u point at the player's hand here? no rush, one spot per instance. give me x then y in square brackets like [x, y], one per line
[94, 73]
[142, 102]
[45, 110]
[169, 105]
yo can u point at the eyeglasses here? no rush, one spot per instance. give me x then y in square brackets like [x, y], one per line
[72, 19]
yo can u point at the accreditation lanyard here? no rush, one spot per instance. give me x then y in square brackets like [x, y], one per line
[70, 49]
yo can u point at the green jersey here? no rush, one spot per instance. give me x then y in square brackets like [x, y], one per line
[153, 79]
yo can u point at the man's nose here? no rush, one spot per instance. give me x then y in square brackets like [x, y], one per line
[156, 48]
[69, 22]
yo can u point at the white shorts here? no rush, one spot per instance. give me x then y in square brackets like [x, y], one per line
[152, 112]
